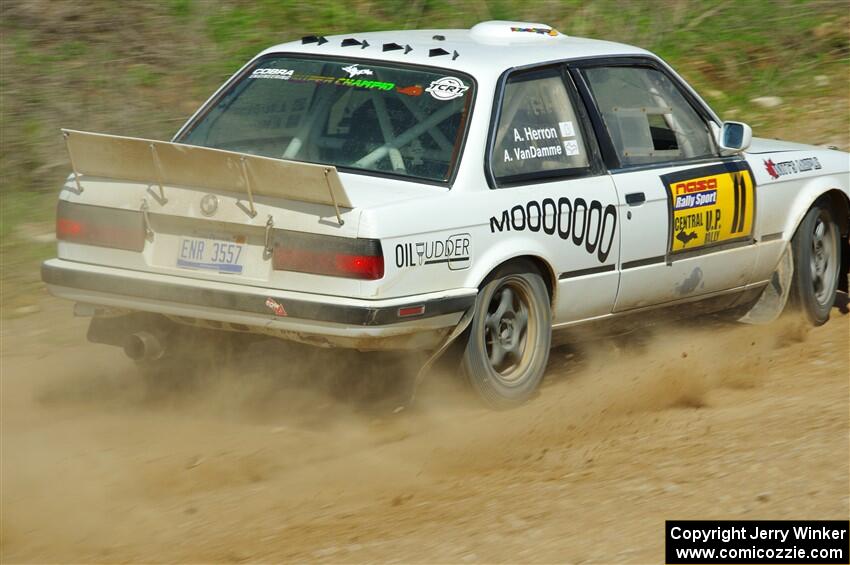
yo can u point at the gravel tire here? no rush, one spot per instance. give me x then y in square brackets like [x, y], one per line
[509, 337]
[816, 249]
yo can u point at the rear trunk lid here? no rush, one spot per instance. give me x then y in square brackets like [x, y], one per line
[215, 215]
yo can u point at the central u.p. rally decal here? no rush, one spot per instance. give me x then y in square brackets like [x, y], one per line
[710, 205]
[590, 226]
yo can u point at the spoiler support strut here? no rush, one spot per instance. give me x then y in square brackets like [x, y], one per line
[247, 177]
[333, 197]
[65, 135]
[158, 168]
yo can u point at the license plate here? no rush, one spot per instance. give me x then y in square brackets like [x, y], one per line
[211, 255]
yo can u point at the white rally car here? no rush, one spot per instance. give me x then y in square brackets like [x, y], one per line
[401, 189]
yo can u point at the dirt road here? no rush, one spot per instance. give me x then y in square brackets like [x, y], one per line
[256, 463]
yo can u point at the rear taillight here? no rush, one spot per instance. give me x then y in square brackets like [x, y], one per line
[97, 225]
[328, 255]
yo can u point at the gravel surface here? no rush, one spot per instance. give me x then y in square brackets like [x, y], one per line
[260, 462]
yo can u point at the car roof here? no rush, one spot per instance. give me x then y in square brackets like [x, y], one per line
[487, 48]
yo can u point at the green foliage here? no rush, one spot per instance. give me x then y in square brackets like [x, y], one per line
[70, 50]
[141, 68]
[143, 75]
[180, 9]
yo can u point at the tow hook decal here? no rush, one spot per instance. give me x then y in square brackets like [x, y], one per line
[276, 307]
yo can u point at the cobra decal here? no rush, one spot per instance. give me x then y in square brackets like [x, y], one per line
[589, 226]
[710, 205]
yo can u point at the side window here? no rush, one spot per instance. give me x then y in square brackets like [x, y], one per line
[648, 118]
[538, 134]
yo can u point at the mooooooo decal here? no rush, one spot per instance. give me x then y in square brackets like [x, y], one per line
[710, 205]
[589, 226]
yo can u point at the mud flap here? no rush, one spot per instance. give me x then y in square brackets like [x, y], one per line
[842, 297]
[844, 276]
[461, 327]
[772, 301]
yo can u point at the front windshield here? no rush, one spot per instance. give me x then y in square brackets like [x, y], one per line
[360, 116]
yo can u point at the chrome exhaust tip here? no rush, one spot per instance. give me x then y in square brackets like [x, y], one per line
[143, 346]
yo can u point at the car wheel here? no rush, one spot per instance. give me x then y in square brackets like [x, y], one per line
[509, 339]
[816, 249]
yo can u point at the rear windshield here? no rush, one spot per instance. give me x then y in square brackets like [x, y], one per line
[375, 118]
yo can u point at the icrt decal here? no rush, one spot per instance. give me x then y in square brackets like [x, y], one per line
[447, 88]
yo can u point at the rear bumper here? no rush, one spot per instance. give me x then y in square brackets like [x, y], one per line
[310, 318]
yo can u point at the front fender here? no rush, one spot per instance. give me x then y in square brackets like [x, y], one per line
[808, 194]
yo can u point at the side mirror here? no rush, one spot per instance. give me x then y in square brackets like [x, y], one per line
[734, 137]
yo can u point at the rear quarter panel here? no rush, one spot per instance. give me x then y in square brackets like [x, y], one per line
[442, 242]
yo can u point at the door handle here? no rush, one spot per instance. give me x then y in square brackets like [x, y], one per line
[635, 198]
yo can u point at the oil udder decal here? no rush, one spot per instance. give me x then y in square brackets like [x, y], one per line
[710, 206]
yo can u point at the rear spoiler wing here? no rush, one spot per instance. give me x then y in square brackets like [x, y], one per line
[161, 163]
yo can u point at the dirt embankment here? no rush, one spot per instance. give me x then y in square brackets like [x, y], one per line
[259, 463]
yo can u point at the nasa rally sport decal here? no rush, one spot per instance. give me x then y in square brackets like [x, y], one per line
[710, 205]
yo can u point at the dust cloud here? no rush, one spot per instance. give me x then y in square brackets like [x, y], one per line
[274, 451]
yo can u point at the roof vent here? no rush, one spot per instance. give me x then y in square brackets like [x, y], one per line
[499, 31]
[319, 39]
[437, 52]
[349, 41]
[439, 38]
[396, 47]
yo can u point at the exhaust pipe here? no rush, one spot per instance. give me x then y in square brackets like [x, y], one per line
[143, 346]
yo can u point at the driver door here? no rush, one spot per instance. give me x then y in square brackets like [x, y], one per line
[688, 213]
[551, 191]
